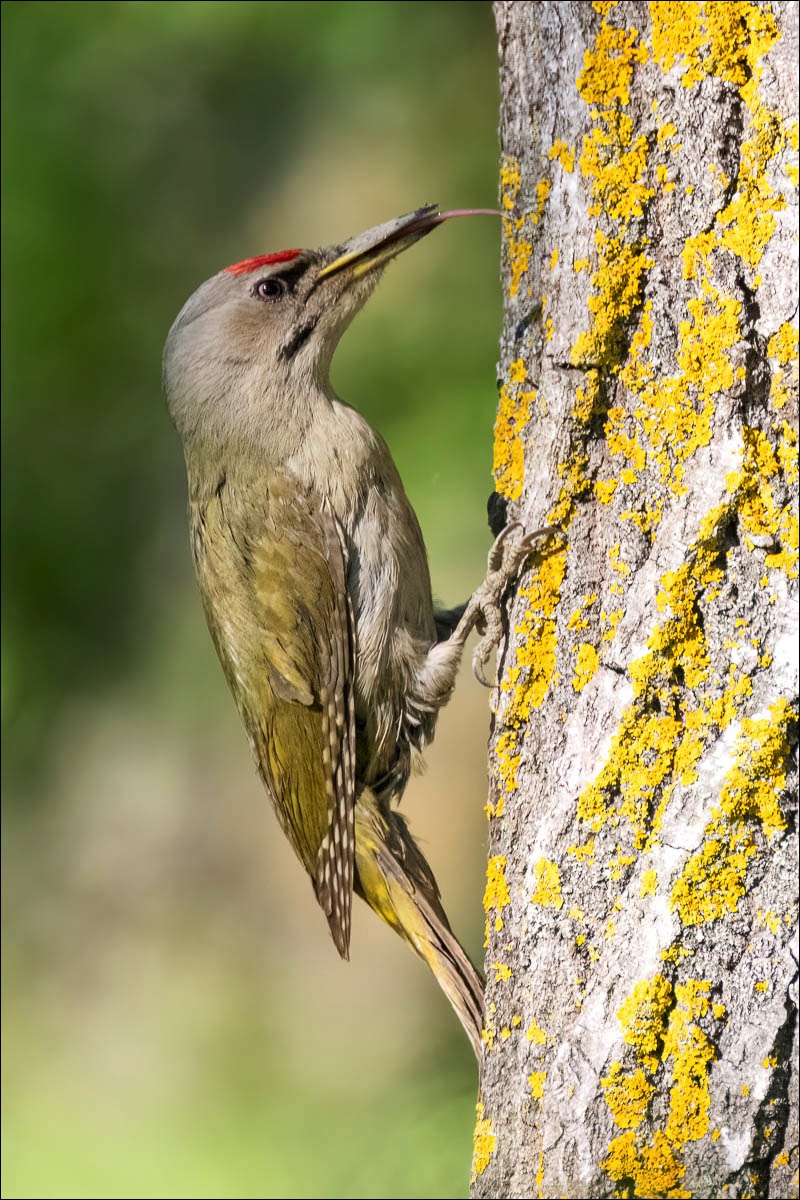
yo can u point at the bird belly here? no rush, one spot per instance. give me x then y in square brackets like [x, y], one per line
[390, 592]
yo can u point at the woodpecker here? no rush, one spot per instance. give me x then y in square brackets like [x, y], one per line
[314, 579]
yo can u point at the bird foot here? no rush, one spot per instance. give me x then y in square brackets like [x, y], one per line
[485, 609]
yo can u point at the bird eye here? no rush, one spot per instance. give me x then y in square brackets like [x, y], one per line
[271, 288]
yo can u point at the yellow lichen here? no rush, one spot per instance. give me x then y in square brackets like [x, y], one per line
[617, 291]
[608, 67]
[675, 953]
[510, 182]
[783, 345]
[627, 1095]
[534, 1033]
[537, 1081]
[663, 1025]
[564, 154]
[496, 895]
[516, 228]
[575, 484]
[508, 761]
[520, 250]
[615, 164]
[497, 808]
[589, 398]
[754, 487]
[647, 518]
[673, 414]
[713, 880]
[620, 441]
[520, 247]
[619, 862]
[747, 223]
[692, 1053]
[726, 40]
[586, 663]
[513, 411]
[655, 1170]
[584, 853]
[617, 562]
[529, 678]
[543, 189]
[649, 883]
[547, 891]
[678, 702]
[577, 619]
[604, 490]
[484, 1142]
[787, 453]
[643, 1016]
[696, 251]
[612, 619]
[616, 168]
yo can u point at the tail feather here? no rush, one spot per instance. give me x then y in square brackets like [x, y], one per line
[396, 881]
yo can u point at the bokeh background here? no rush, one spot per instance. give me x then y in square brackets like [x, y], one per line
[177, 1022]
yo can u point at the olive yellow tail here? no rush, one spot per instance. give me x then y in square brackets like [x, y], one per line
[395, 880]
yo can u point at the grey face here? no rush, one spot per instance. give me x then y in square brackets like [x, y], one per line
[262, 332]
[251, 335]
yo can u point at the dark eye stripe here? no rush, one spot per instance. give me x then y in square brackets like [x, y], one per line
[294, 273]
[299, 339]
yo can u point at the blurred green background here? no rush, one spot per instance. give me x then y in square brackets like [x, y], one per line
[177, 1021]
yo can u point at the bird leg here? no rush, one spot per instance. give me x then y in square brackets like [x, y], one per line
[483, 611]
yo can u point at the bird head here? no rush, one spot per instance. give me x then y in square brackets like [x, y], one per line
[254, 343]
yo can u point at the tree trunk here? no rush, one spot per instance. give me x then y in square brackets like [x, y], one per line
[641, 977]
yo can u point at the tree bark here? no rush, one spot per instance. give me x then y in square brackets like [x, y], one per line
[641, 961]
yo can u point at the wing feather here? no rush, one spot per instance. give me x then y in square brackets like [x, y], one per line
[274, 580]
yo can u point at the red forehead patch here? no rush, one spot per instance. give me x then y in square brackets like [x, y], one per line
[262, 260]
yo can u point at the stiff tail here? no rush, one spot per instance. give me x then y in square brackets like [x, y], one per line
[396, 881]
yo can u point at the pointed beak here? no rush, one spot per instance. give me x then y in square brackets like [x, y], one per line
[377, 246]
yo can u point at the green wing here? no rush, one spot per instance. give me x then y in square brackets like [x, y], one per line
[274, 581]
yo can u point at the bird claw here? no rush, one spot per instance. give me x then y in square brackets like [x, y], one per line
[479, 660]
[506, 558]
